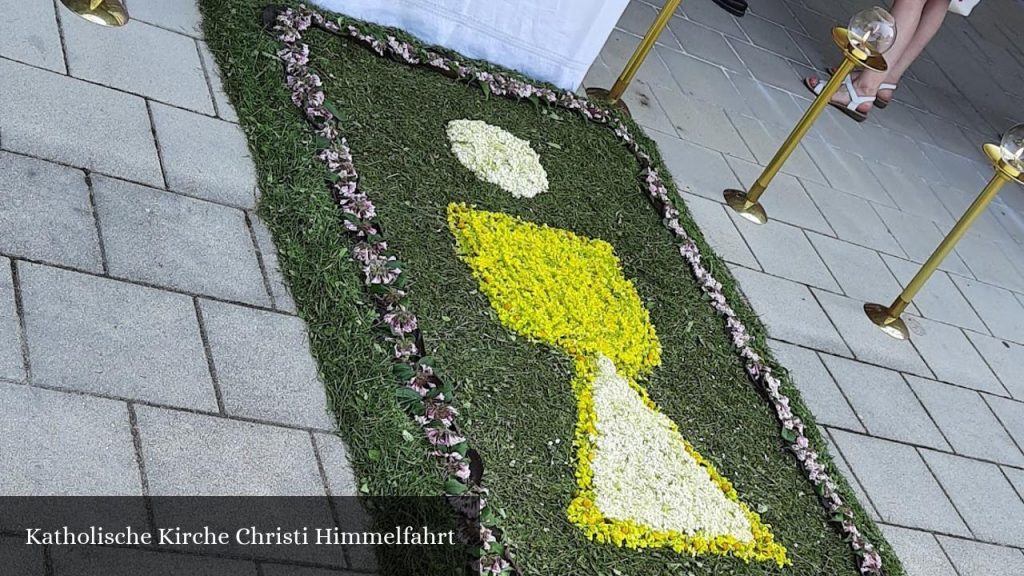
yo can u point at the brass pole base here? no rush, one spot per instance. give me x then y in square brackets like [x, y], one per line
[753, 211]
[892, 325]
[603, 95]
[102, 12]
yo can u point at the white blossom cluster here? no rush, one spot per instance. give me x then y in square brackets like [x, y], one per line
[498, 157]
[643, 472]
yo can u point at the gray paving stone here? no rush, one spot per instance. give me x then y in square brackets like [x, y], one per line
[720, 231]
[341, 479]
[903, 490]
[1016, 476]
[712, 17]
[1005, 359]
[45, 213]
[643, 105]
[766, 66]
[639, 96]
[998, 308]
[1011, 216]
[956, 201]
[951, 357]
[772, 37]
[94, 560]
[885, 403]
[984, 497]
[836, 130]
[989, 263]
[220, 98]
[897, 149]
[77, 123]
[771, 104]
[903, 119]
[59, 444]
[868, 343]
[966, 420]
[107, 337]
[954, 169]
[930, 73]
[797, 261]
[637, 18]
[776, 12]
[704, 43]
[851, 478]
[860, 272]
[800, 321]
[919, 237]
[818, 52]
[12, 365]
[205, 157]
[853, 218]
[979, 559]
[947, 135]
[816, 386]
[695, 169]
[278, 285]
[140, 58]
[28, 33]
[1011, 414]
[190, 454]
[846, 172]
[620, 47]
[702, 123]
[786, 200]
[765, 139]
[702, 80]
[21, 560]
[178, 15]
[264, 366]
[175, 241]
[919, 552]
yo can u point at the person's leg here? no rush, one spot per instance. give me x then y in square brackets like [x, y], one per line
[907, 14]
[931, 20]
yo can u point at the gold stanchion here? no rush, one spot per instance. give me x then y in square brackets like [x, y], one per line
[637, 59]
[888, 317]
[747, 203]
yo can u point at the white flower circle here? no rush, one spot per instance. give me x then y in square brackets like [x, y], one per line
[498, 157]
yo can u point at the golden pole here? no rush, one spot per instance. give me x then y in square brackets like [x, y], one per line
[638, 57]
[887, 318]
[746, 203]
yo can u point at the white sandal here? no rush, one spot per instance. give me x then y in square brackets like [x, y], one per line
[855, 99]
[883, 102]
[879, 101]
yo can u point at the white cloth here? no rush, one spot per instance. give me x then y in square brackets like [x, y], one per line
[962, 7]
[552, 40]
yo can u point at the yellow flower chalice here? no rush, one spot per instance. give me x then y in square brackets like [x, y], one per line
[640, 484]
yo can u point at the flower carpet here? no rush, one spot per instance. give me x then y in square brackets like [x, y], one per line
[506, 302]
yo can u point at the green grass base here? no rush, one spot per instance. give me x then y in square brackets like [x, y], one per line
[514, 394]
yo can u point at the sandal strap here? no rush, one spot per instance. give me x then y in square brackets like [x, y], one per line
[886, 86]
[855, 99]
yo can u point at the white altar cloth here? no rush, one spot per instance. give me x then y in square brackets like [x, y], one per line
[552, 40]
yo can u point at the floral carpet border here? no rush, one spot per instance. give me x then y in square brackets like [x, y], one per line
[423, 394]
